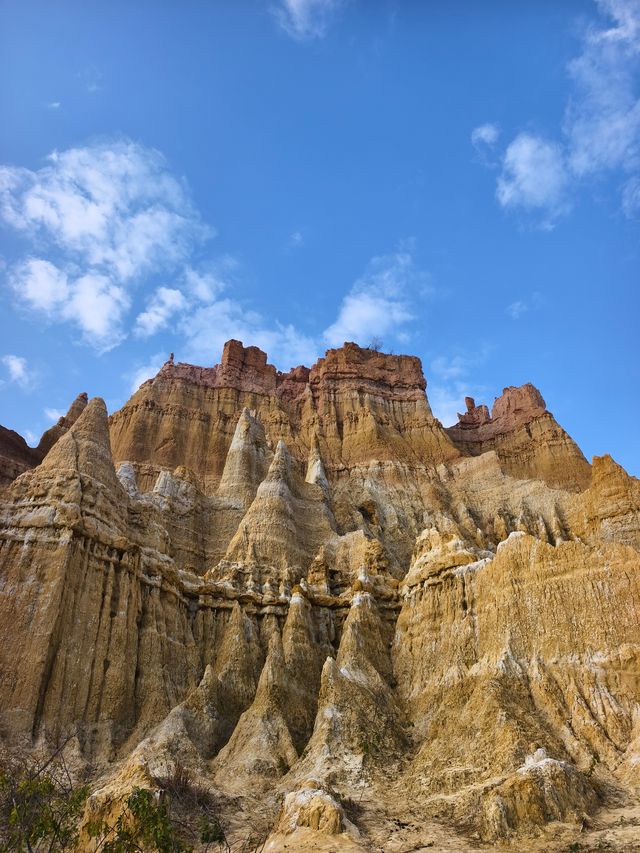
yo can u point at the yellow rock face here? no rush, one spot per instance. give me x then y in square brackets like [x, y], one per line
[361, 630]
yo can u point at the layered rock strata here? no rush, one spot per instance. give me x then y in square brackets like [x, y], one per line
[525, 436]
[355, 626]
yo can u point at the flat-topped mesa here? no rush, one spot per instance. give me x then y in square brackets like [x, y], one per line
[361, 404]
[525, 436]
[350, 367]
[354, 368]
[242, 369]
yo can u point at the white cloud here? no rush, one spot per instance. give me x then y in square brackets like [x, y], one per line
[145, 371]
[451, 385]
[601, 127]
[206, 286]
[31, 438]
[113, 206]
[602, 121]
[109, 216]
[168, 307]
[447, 401]
[40, 284]
[517, 309]
[306, 19]
[165, 303]
[296, 240]
[97, 306]
[210, 326]
[54, 415]
[54, 105]
[449, 368]
[485, 134]
[17, 370]
[378, 303]
[92, 301]
[533, 175]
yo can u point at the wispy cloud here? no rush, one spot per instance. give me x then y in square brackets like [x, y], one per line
[602, 121]
[306, 19]
[448, 383]
[531, 303]
[91, 78]
[454, 367]
[601, 127]
[145, 371]
[484, 139]
[164, 303]
[375, 306]
[516, 309]
[485, 134]
[54, 105]
[110, 219]
[296, 240]
[533, 176]
[54, 415]
[206, 284]
[17, 370]
[447, 401]
[210, 326]
[108, 216]
[379, 302]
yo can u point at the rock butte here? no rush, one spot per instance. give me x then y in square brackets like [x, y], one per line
[363, 630]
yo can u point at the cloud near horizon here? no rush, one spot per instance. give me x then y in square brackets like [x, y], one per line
[378, 303]
[101, 219]
[109, 224]
[449, 382]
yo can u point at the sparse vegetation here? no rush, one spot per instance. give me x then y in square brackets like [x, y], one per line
[40, 805]
[143, 825]
[193, 807]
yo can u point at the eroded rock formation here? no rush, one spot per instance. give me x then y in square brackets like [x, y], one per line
[352, 623]
[15, 454]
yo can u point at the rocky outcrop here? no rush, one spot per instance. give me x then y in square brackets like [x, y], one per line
[357, 404]
[63, 424]
[351, 624]
[15, 454]
[525, 436]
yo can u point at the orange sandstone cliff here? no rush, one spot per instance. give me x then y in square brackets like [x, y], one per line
[305, 589]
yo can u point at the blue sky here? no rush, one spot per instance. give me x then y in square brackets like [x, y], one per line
[461, 181]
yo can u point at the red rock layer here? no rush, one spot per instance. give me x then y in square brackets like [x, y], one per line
[358, 404]
[15, 456]
[525, 436]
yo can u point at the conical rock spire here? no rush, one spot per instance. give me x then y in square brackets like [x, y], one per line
[247, 461]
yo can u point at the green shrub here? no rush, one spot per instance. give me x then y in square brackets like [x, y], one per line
[40, 806]
[143, 825]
